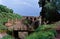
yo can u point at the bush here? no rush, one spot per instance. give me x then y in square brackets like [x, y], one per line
[42, 35]
[45, 28]
[3, 28]
[43, 32]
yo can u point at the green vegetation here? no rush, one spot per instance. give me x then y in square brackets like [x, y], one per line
[50, 10]
[2, 28]
[43, 32]
[26, 22]
[5, 9]
[5, 14]
[8, 37]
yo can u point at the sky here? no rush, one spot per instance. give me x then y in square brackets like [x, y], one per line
[23, 7]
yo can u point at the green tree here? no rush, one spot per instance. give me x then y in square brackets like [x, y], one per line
[5, 9]
[6, 13]
[50, 10]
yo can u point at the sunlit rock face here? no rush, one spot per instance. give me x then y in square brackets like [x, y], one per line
[8, 24]
[19, 25]
[2, 34]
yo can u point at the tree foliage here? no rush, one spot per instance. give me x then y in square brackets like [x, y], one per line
[50, 9]
[5, 9]
[7, 13]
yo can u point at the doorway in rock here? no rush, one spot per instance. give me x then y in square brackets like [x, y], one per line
[58, 34]
[58, 31]
[15, 33]
[21, 34]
